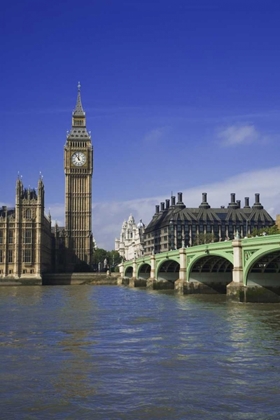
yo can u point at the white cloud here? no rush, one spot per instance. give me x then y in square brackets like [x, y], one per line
[57, 213]
[155, 135]
[109, 216]
[239, 134]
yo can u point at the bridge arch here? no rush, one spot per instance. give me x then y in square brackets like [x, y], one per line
[144, 271]
[128, 272]
[168, 270]
[263, 267]
[218, 261]
[213, 270]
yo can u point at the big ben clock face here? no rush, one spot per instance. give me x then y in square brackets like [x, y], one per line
[78, 159]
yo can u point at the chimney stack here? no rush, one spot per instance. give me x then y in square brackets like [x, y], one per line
[247, 202]
[180, 196]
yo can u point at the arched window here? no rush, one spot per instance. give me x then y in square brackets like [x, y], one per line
[28, 214]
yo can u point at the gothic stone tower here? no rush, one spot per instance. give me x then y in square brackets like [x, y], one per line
[78, 167]
[25, 236]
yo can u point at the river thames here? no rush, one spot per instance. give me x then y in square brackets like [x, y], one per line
[110, 352]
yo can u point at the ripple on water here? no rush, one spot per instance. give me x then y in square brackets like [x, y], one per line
[119, 353]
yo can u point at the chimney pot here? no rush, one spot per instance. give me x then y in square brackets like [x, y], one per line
[180, 196]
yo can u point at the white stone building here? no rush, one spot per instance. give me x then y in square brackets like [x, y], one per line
[131, 242]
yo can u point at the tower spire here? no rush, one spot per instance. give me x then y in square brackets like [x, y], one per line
[78, 111]
[78, 115]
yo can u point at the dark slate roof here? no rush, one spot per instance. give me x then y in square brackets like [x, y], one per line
[58, 230]
[29, 193]
[207, 215]
[9, 212]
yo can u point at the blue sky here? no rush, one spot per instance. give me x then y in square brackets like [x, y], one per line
[180, 95]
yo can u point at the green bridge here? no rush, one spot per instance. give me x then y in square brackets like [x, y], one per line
[247, 270]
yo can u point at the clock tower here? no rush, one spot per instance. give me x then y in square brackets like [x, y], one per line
[78, 168]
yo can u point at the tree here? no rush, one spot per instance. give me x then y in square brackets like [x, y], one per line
[99, 255]
[112, 258]
[270, 230]
[204, 238]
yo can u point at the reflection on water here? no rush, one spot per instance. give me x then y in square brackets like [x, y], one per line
[117, 353]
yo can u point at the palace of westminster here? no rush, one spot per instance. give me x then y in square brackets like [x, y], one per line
[30, 246]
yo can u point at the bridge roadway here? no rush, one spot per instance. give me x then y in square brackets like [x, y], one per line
[247, 270]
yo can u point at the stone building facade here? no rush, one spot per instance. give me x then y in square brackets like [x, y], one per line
[25, 235]
[78, 168]
[174, 225]
[131, 241]
[29, 246]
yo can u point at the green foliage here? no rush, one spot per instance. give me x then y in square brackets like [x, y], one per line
[205, 238]
[271, 230]
[99, 255]
[113, 257]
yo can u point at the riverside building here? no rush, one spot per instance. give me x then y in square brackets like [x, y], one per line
[29, 246]
[131, 242]
[25, 235]
[174, 225]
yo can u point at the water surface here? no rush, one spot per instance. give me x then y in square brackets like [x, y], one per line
[109, 353]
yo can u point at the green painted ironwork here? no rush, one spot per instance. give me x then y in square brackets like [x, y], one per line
[252, 249]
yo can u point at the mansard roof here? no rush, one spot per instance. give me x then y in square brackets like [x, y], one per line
[178, 212]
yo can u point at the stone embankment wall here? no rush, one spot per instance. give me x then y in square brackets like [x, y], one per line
[64, 279]
[22, 281]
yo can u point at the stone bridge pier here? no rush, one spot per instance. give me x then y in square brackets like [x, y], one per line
[235, 289]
